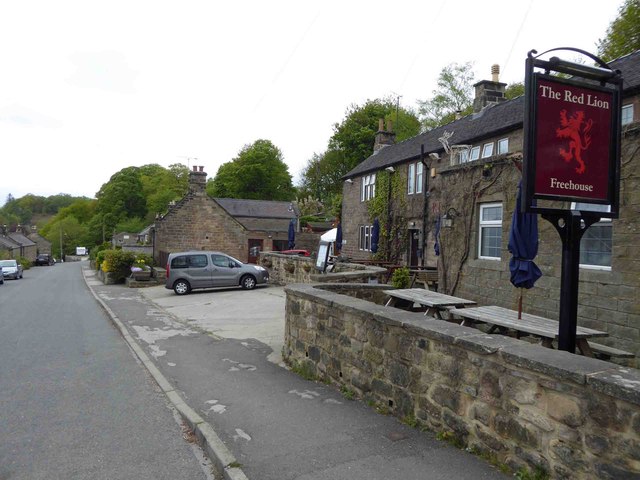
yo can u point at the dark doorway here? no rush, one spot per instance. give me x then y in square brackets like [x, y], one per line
[414, 236]
[255, 246]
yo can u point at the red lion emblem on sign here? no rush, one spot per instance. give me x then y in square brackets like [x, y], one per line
[578, 135]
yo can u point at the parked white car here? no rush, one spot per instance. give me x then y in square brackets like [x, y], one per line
[11, 269]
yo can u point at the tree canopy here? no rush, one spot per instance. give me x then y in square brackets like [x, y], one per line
[122, 196]
[355, 135]
[257, 173]
[352, 142]
[454, 94]
[514, 90]
[623, 34]
[31, 209]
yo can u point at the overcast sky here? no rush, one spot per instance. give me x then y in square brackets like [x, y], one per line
[88, 87]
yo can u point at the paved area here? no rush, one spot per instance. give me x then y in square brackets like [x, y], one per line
[219, 351]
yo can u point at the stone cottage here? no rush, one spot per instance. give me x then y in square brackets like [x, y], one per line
[462, 179]
[42, 244]
[18, 245]
[237, 227]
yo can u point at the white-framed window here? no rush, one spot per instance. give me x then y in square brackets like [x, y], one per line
[415, 176]
[490, 231]
[627, 114]
[368, 187]
[503, 146]
[411, 179]
[487, 150]
[596, 243]
[365, 237]
[463, 156]
[474, 154]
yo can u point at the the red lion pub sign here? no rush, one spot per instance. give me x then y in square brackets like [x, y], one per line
[572, 136]
[571, 154]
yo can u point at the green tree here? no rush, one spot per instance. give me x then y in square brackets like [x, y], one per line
[623, 34]
[322, 176]
[514, 90]
[160, 186]
[258, 173]
[355, 135]
[67, 230]
[123, 195]
[454, 94]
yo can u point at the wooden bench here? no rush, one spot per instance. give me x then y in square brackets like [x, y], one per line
[427, 278]
[606, 352]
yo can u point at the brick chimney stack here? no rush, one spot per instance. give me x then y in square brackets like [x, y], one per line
[197, 181]
[489, 91]
[384, 138]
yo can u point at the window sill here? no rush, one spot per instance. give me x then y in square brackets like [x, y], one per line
[595, 267]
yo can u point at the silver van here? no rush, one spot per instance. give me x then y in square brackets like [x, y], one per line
[200, 269]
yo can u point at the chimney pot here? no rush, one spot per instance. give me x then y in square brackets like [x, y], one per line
[495, 72]
[381, 124]
[195, 168]
[389, 126]
[201, 167]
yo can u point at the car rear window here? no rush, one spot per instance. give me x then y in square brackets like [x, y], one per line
[185, 261]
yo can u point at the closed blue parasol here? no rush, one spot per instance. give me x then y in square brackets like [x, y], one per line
[523, 245]
[339, 238]
[292, 234]
[375, 236]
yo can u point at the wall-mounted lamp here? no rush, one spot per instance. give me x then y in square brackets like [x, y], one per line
[269, 234]
[348, 180]
[447, 218]
[390, 169]
[434, 156]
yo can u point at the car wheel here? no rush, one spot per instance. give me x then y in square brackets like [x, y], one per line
[248, 282]
[181, 287]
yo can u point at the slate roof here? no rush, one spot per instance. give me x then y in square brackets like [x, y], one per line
[238, 208]
[629, 65]
[7, 243]
[493, 120]
[280, 225]
[21, 239]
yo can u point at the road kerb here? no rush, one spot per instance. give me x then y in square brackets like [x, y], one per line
[208, 439]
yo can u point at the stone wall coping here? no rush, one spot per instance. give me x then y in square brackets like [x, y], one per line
[605, 377]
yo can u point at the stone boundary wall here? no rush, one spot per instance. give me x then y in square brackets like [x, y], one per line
[146, 249]
[288, 269]
[518, 404]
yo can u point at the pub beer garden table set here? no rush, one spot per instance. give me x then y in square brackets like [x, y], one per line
[500, 319]
[434, 302]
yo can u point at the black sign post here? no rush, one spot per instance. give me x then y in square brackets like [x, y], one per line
[571, 154]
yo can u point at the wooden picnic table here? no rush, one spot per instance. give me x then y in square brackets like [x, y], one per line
[425, 276]
[543, 328]
[434, 302]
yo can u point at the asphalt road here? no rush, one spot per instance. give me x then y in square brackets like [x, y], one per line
[219, 350]
[74, 402]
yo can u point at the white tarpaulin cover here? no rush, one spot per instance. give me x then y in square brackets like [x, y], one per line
[329, 236]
